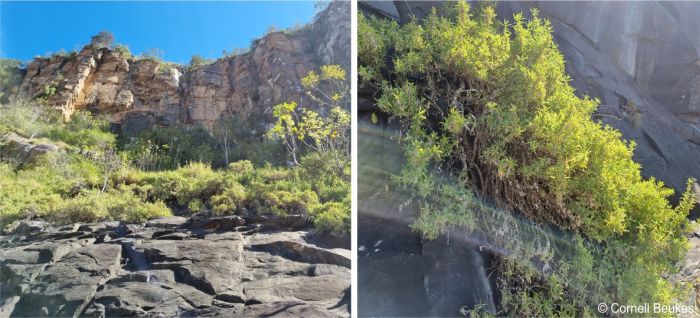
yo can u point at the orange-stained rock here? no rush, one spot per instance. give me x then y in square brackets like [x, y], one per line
[106, 82]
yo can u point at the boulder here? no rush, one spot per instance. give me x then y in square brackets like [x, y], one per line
[19, 150]
[28, 227]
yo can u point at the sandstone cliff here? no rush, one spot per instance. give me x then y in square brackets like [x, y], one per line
[139, 93]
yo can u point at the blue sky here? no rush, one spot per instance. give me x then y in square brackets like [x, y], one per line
[178, 29]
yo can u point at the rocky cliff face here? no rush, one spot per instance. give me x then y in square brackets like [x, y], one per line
[139, 93]
[172, 267]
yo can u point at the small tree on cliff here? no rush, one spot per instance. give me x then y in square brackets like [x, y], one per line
[102, 39]
[325, 129]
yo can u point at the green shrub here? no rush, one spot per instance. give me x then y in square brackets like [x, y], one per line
[195, 181]
[233, 196]
[332, 217]
[83, 131]
[165, 67]
[89, 207]
[33, 120]
[169, 147]
[159, 171]
[241, 167]
[21, 196]
[198, 61]
[117, 204]
[27, 119]
[280, 202]
[325, 130]
[195, 205]
[491, 103]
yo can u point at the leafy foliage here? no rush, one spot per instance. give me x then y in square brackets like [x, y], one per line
[242, 189]
[237, 137]
[169, 147]
[491, 102]
[161, 172]
[33, 120]
[325, 130]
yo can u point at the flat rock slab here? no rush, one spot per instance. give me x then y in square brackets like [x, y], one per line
[167, 221]
[305, 289]
[210, 266]
[168, 270]
[291, 245]
[131, 299]
[65, 288]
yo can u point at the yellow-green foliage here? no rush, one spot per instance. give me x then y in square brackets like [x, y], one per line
[33, 120]
[265, 190]
[325, 128]
[115, 204]
[331, 217]
[67, 186]
[493, 100]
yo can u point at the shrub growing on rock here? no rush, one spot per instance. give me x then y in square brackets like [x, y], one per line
[491, 102]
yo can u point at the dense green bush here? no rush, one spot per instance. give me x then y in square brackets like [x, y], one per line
[264, 190]
[491, 102]
[161, 172]
[323, 127]
[169, 147]
[33, 120]
[116, 204]
[236, 138]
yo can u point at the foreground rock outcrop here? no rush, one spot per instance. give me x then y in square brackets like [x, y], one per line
[174, 266]
[140, 93]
